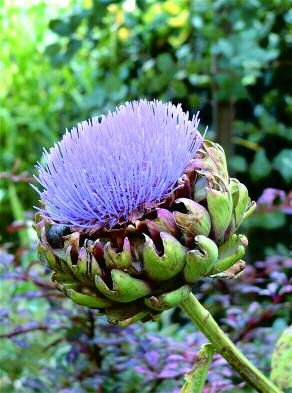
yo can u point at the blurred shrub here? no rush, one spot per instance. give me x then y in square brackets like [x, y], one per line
[229, 56]
[230, 60]
[35, 106]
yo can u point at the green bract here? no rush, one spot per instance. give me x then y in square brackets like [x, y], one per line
[138, 269]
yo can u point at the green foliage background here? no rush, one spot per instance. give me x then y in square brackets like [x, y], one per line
[64, 63]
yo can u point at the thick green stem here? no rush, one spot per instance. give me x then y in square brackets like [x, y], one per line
[223, 345]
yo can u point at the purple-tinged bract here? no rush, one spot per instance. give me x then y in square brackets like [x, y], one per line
[107, 169]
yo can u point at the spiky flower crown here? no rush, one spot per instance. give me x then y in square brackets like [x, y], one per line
[112, 168]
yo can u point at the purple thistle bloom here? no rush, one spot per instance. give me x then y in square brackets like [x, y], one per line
[107, 169]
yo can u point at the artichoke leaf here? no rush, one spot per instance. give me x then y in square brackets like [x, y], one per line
[220, 209]
[121, 260]
[125, 287]
[229, 253]
[161, 268]
[200, 262]
[92, 301]
[195, 222]
[168, 300]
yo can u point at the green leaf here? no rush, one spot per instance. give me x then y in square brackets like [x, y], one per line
[65, 27]
[261, 166]
[95, 99]
[165, 63]
[72, 47]
[283, 163]
[115, 88]
[179, 89]
[282, 361]
[75, 21]
[195, 380]
[53, 49]
[270, 220]
[238, 163]
[60, 27]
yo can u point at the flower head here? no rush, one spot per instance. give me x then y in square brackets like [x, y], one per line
[106, 169]
[133, 159]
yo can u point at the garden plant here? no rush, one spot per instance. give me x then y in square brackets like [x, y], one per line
[136, 208]
[145, 229]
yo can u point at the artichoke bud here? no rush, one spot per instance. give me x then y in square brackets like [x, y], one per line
[125, 287]
[132, 245]
[195, 222]
[200, 262]
[161, 268]
[168, 300]
[118, 260]
[229, 253]
[220, 210]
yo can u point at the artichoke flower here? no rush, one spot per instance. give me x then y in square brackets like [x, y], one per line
[135, 208]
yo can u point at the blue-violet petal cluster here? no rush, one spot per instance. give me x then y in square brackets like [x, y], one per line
[106, 169]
